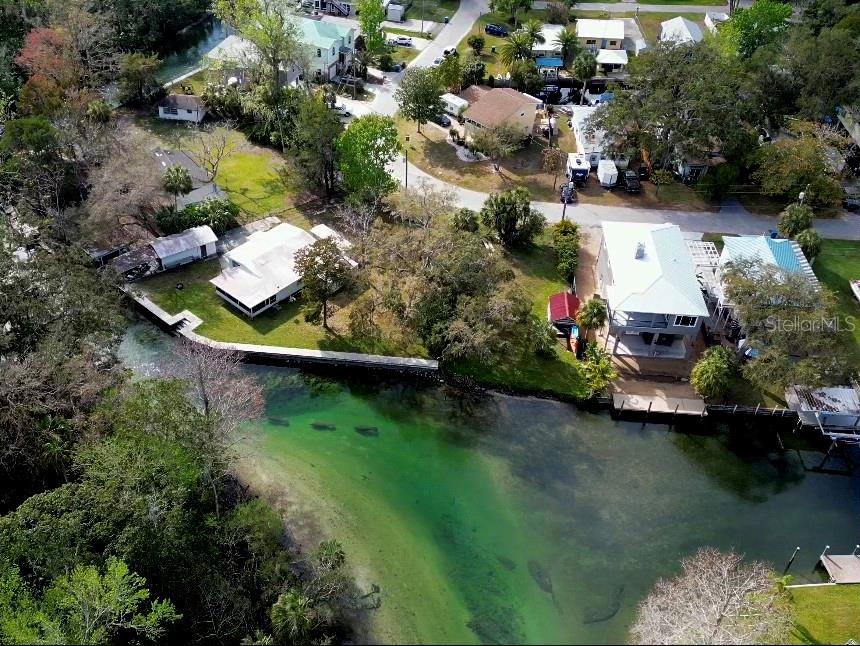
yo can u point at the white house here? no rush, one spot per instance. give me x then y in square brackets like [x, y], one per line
[548, 45]
[654, 302]
[680, 30]
[182, 107]
[595, 35]
[184, 247]
[327, 46]
[262, 271]
[590, 145]
[713, 19]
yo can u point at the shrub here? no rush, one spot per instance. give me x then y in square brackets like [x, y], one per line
[541, 337]
[565, 240]
[476, 42]
[216, 213]
[661, 177]
[491, 80]
[386, 62]
[465, 220]
[810, 243]
[712, 375]
[794, 219]
[717, 182]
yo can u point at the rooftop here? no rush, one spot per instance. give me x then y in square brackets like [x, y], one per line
[321, 33]
[680, 30]
[178, 242]
[599, 29]
[785, 254]
[652, 271]
[234, 48]
[498, 105]
[265, 264]
[181, 102]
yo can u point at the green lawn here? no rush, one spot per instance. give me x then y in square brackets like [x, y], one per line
[251, 181]
[286, 327]
[536, 275]
[839, 262]
[826, 614]
[432, 10]
[490, 59]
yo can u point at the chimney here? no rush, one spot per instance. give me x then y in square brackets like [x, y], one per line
[640, 251]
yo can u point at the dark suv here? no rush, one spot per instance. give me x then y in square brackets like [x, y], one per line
[630, 181]
[496, 30]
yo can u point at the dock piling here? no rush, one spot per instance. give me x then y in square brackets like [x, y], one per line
[791, 560]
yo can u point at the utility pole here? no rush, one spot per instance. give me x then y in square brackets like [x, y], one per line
[406, 164]
[422, 18]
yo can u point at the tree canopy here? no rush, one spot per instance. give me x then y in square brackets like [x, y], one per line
[365, 149]
[419, 95]
[511, 216]
[760, 24]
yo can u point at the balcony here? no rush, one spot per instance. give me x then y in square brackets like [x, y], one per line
[639, 320]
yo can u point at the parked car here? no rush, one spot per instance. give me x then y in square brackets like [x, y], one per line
[851, 203]
[630, 182]
[643, 172]
[400, 41]
[437, 61]
[441, 120]
[448, 51]
[341, 110]
[567, 194]
[496, 30]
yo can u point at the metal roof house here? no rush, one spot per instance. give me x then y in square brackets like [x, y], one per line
[680, 30]
[182, 107]
[654, 302]
[328, 47]
[184, 247]
[262, 271]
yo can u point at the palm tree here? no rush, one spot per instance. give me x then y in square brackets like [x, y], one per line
[532, 29]
[517, 46]
[591, 316]
[513, 7]
[177, 181]
[584, 68]
[568, 41]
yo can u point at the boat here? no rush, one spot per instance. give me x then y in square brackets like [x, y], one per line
[855, 287]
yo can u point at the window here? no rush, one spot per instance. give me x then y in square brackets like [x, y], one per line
[685, 321]
[190, 111]
[171, 111]
[591, 42]
[612, 43]
[319, 53]
[332, 51]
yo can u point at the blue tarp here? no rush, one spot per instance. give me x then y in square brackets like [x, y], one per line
[549, 62]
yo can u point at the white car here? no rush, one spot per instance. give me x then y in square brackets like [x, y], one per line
[400, 41]
[448, 51]
[437, 61]
[341, 110]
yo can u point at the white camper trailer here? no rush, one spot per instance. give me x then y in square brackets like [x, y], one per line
[607, 173]
[454, 105]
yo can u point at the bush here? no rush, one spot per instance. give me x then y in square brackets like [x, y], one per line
[541, 337]
[218, 214]
[712, 375]
[465, 220]
[491, 80]
[794, 219]
[565, 241]
[717, 182]
[810, 243]
[476, 42]
[386, 62]
[223, 102]
[661, 177]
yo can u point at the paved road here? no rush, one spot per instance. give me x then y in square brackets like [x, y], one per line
[624, 7]
[732, 218]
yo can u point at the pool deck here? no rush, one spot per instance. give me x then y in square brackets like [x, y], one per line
[842, 568]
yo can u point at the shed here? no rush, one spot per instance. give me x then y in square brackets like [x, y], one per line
[562, 309]
[184, 247]
[182, 107]
[454, 104]
[607, 173]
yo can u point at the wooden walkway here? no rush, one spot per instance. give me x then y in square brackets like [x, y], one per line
[186, 322]
[842, 568]
[658, 404]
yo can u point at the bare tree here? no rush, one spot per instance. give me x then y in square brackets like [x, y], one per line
[227, 396]
[717, 599]
[126, 193]
[422, 205]
[212, 146]
[358, 221]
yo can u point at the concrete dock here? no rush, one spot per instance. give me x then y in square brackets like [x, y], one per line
[842, 568]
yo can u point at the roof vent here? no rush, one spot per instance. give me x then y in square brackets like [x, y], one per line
[640, 251]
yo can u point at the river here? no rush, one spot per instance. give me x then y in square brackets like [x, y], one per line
[509, 519]
[189, 48]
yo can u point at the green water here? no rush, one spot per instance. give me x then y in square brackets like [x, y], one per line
[503, 519]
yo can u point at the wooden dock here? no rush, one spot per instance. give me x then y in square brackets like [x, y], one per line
[842, 568]
[658, 404]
